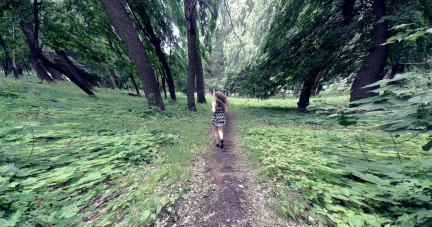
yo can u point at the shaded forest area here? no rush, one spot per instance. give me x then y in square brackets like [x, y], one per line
[254, 48]
[355, 152]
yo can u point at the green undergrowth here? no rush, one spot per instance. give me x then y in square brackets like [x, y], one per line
[332, 175]
[70, 159]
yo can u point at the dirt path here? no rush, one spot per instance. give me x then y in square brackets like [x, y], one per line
[225, 192]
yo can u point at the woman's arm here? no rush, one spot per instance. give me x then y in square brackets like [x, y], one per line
[213, 106]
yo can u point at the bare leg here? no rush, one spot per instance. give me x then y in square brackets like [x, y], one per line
[220, 132]
[216, 135]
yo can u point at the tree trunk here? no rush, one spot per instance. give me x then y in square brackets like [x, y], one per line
[209, 69]
[8, 60]
[200, 79]
[396, 69]
[67, 74]
[305, 94]
[191, 25]
[372, 68]
[156, 43]
[17, 72]
[54, 73]
[124, 27]
[70, 66]
[347, 11]
[163, 85]
[37, 65]
[316, 87]
[297, 88]
[134, 84]
[111, 76]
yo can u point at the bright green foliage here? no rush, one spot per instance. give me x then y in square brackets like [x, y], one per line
[337, 175]
[67, 158]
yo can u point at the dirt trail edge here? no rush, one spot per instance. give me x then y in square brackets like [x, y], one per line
[224, 191]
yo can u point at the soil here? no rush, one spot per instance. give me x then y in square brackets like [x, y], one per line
[224, 191]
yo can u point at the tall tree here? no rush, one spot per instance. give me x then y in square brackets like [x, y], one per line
[191, 25]
[7, 64]
[195, 70]
[31, 33]
[124, 27]
[372, 68]
[149, 31]
[111, 77]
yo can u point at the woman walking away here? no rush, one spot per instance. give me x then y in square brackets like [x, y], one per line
[219, 106]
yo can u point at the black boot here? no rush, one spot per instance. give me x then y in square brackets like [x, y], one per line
[221, 146]
[217, 145]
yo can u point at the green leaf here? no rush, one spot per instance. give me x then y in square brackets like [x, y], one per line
[145, 215]
[371, 178]
[401, 26]
[425, 198]
[401, 37]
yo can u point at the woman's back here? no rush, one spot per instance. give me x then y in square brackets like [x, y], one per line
[219, 109]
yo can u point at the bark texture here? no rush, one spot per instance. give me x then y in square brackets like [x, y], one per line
[191, 25]
[16, 71]
[124, 27]
[111, 77]
[157, 45]
[7, 65]
[29, 32]
[306, 93]
[70, 66]
[200, 79]
[396, 69]
[134, 84]
[372, 68]
[297, 88]
[54, 73]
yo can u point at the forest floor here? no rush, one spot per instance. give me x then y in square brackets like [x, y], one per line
[70, 159]
[224, 191]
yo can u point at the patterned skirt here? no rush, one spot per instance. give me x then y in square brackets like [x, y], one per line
[218, 119]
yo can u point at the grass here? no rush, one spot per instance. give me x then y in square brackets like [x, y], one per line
[69, 158]
[327, 174]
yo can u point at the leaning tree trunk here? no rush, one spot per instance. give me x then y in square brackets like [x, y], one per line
[70, 66]
[372, 69]
[54, 73]
[124, 27]
[8, 60]
[111, 77]
[134, 84]
[191, 25]
[306, 93]
[163, 84]
[157, 45]
[37, 65]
